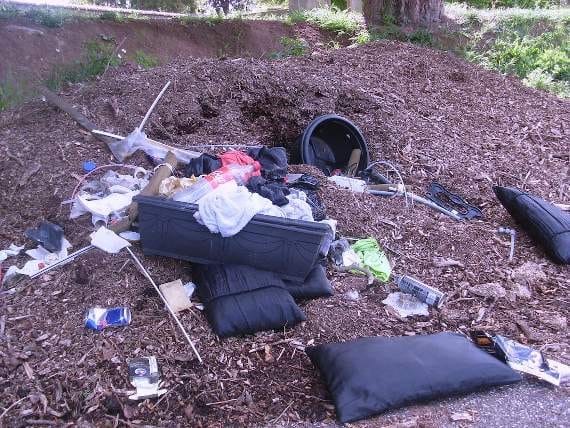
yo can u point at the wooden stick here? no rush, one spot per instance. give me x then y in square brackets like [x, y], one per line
[63, 105]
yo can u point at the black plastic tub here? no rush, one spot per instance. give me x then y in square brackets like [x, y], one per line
[328, 142]
[287, 247]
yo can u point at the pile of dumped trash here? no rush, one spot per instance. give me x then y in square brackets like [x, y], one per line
[259, 240]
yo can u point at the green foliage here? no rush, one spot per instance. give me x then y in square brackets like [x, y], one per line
[393, 32]
[525, 4]
[532, 48]
[472, 19]
[540, 79]
[11, 93]
[52, 18]
[181, 6]
[112, 16]
[337, 21]
[95, 60]
[339, 4]
[519, 55]
[291, 47]
[210, 20]
[146, 60]
[8, 11]
[421, 37]
[297, 16]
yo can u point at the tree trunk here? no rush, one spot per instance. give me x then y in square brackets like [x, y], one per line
[402, 12]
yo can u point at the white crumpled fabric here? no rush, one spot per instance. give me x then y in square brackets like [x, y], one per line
[229, 208]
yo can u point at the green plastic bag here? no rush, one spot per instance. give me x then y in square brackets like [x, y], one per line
[373, 258]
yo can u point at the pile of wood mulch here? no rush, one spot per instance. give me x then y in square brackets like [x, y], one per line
[432, 115]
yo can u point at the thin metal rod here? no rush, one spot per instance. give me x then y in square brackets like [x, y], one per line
[417, 199]
[148, 113]
[63, 261]
[107, 134]
[145, 273]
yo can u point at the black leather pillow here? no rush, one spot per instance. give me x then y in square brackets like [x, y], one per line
[268, 308]
[546, 224]
[371, 375]
[315, 285]
[223, 280]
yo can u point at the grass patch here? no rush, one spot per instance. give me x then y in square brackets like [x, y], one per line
[95, 60]
[337, 21]
[11, 93]
[112, 16]
[145, 60]
[210, 20]
[291, 47]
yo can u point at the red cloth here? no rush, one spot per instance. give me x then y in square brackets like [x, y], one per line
[240, 158]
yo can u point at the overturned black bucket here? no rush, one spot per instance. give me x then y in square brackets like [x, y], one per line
[328, 143]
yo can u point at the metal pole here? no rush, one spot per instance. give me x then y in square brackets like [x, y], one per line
[145, 273]
[63, 261]
[148, 113]
[417, 199]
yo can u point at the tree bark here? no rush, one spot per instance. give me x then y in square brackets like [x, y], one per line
[402, 12]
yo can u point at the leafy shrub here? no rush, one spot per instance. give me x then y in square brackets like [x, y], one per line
[291, 47]
[421, 37]
[48, 17]
[519, 55]
[532, 48]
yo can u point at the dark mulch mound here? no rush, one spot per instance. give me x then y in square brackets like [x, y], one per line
[434, 116]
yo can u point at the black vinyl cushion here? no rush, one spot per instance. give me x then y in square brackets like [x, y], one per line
[243, 300]
[546, 224]
[371, 375]
[268, 308]
[215, 281]
[315, 285]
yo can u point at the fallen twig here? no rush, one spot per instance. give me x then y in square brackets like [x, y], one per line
[273, 421]
[11, 406]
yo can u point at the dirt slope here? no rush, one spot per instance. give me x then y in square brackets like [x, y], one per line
[29, 51]
[431, 114]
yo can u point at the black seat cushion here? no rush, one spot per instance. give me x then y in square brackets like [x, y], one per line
[371, 375]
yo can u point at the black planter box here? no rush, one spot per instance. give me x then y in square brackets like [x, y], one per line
[287, 247]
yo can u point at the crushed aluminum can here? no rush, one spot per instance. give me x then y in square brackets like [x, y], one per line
[424, 293]
[145, 377]
[100, 318]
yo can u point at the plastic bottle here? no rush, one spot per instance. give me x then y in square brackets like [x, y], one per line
[207, 183]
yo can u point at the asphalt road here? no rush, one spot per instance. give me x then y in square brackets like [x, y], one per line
[531, 403]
